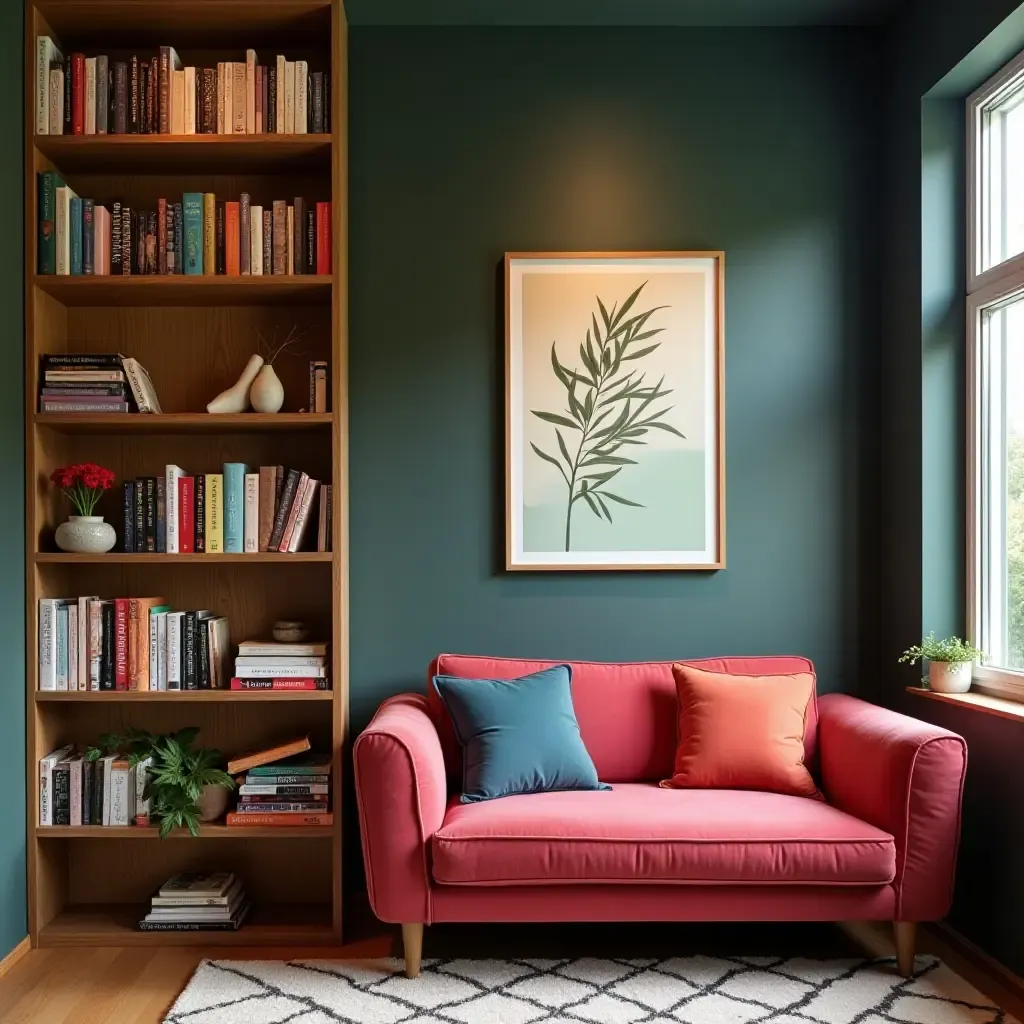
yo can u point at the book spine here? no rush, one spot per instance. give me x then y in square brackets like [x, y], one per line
[192, 207]
[267, 486]
[252, 513]
[267, 259]
[120, 98]
[174, 622]
[108, 654]
[256, 240]
[90, 96]
[45, 54]
[244, 251]
[115, 237]
[138, 645]
[161, 654]
[164, 91]
[318, 240]
[215, 513]
[95, 615]
[152, 233]
[77, 93]
[209, 233]
[143, 97]
[61, 783]
[48, 183]
[276, 807]
[128, 540]
[189, 652]
[234, 818]
[238, 683]
[150, 513]
[202, 654]
[200, 517]
[186, 515]
[250, 92]
[76, 235]
[264, 99]
[179, 240]
[102, 94]
[140, 515]
[56, 101]
[272, 99]
[279, 218]
[232, 237]
[154, 651]
[120, 644]
[161, 236]
[171, 474]
[238, 98]
[293, 513]
[295, 542]
[133, 95]
[318, 102]
[301, 97]
[88, 238]
[299, 236]
[289, 97]
[126, 240]
[209, 118]
[88, 775]
[190, 101]
[219, 260]
[283, 508]
[234, 505]
[47, 644]
[281, 64]
[152, 119]
[82, 405]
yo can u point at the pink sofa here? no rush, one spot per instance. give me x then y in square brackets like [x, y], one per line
[883, 847]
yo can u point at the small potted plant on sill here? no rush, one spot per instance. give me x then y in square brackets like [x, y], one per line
[83, 485]
[950, 662]
[185, 786]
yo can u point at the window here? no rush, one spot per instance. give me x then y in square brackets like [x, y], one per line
[995, 332]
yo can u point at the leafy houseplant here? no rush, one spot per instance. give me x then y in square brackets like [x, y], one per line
[83, 485]
[607, 408]
[177, 776]
[950, 659]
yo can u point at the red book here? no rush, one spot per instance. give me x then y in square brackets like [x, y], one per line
[121, 614]
[231, 236]
[323, 238]
[77, 93]
[278, 684]
[285, 819]
[186, 515]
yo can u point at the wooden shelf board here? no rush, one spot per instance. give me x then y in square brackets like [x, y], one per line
[1001, 707]
[152, 558]
[182, 696]
[221, 154]
[187, 290]
[207, 832]
[117, 925]
[183, 422]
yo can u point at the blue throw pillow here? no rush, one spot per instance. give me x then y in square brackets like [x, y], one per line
[517, 735]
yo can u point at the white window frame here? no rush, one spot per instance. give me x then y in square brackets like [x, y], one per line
[986, 288]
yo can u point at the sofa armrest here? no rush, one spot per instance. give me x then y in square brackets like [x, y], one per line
[906, 777]
[401, 791]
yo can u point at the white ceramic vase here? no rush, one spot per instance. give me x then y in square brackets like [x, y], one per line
[950, 676]
[212, 803]
[236, 398]
[267, 391]
[86, 534]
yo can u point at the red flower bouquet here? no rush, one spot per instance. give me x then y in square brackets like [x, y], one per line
[83, 484]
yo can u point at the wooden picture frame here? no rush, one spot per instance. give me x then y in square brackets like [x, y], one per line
[614, 364]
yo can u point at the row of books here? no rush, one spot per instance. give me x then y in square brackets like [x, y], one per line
[199, 234]
[95, 383]
[80, 95]
[288, 785]
[197, 902]
[130, 643]
[77, 790]
[231, 512]
[281, 666]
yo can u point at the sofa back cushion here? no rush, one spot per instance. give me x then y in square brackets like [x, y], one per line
[627, 711]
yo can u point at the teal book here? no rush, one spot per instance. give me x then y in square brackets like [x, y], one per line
[76, 235]
[192, 215]
[234, 506]
[49, 182]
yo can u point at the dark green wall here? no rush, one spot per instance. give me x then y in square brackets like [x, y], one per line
[938, 53]
[466, 143]
[12, 493]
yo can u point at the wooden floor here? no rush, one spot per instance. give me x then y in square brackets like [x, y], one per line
[137, 986]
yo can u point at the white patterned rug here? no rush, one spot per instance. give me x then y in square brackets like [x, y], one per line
[691, 990]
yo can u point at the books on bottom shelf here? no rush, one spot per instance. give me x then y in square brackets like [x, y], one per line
[74, 790]
[283, 786]
[131, 643]
[197, 902]
[281, 666]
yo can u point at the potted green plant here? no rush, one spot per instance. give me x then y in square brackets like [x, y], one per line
[185, 785]
[950, 662]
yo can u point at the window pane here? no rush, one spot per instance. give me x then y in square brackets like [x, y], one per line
[1002, 177]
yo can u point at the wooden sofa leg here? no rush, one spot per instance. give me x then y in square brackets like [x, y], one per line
[412, 944]
[906, 940]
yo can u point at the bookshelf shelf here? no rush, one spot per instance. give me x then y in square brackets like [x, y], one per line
[218, 154]
[184, 696]
[184, 423]
[115, 924]
[278, 558]
[186, 290]
[205, 832]
[193, 334]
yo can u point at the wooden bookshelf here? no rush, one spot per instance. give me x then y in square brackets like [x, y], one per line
[193, 335]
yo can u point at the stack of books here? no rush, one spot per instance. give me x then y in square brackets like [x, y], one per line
[267, 665]
[74, 790]
[197, 902]
[130, 643]
[80, 95]
[101, 383]
[234, 511]
[194, 233]
[286, 786]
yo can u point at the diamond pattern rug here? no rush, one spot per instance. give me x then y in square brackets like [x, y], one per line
[681, 990]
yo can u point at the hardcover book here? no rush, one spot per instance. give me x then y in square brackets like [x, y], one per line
[192, 212]
[234, 506]
[214, 532]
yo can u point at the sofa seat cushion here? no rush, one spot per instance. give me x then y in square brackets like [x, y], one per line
[640, 833]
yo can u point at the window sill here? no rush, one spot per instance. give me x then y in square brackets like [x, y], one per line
[1001, 707]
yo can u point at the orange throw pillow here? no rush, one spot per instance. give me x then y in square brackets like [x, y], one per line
[742, 732]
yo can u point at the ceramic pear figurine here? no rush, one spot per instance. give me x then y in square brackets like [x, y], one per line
[267, 391]
[236, 398]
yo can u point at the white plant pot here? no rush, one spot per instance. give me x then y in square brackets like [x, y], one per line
[267, 391]
[86, 534]
[236, 398]
[213, 803]
[950, 676]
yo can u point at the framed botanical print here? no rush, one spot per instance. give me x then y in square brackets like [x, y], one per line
[614, 411]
